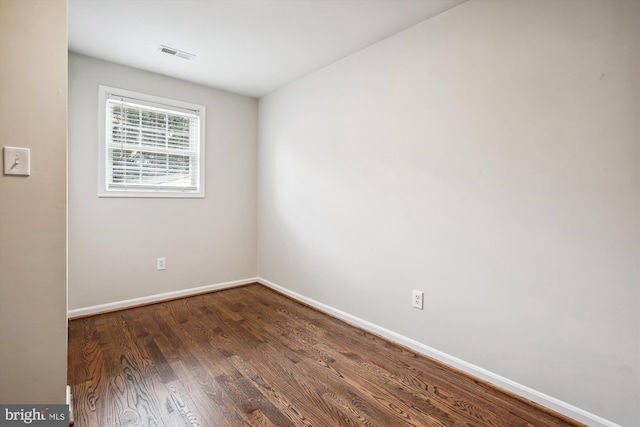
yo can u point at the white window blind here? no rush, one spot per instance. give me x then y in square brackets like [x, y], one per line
[152, 146]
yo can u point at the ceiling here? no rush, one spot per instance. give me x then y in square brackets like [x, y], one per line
[251, 47]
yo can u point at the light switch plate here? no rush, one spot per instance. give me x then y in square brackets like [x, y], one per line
[16, 161]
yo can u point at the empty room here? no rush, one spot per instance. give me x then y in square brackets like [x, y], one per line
[321, 212]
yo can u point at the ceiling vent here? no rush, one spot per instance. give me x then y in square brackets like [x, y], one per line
[175, 52]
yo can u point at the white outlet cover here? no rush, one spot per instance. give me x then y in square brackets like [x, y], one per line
[17, 161]
[418, 300]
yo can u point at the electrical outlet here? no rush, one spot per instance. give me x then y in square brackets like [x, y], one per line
[417, 300]
[160, 264]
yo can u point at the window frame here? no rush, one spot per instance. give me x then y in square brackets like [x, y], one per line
[168, 105]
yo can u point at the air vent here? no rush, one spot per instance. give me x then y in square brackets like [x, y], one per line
[175, 52]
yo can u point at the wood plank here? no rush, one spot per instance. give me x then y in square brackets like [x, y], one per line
[249, 356]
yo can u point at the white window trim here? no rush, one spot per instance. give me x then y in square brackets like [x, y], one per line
[150, 100]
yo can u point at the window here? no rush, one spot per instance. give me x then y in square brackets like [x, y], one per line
[150, 146]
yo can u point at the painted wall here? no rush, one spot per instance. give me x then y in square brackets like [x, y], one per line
[488, 157]
[33, 114]
[114, 243]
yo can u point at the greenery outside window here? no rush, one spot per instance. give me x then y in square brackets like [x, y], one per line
[150, 146]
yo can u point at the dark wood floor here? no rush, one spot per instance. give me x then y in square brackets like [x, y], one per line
[250, 356]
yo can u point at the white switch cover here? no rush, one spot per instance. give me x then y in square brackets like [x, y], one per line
[16, 161]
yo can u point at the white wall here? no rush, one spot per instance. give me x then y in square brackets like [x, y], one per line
[488, 157]
[33, 114]
[114, 243]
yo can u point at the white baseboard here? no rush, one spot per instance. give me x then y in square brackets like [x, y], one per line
[119, 305]
[469, 368]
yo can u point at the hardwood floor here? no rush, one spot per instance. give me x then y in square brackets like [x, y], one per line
[250, 356]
